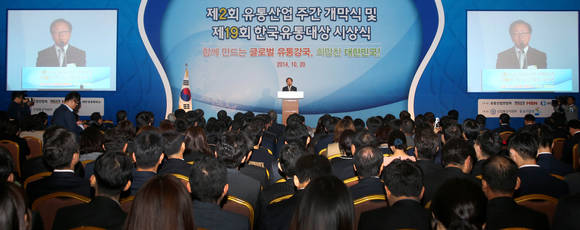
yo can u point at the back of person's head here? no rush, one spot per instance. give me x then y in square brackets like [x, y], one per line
[403, 178]
[273, 116]
[196, 141]
[180, 113]
[255, 129]
[397, 140]
[500, 174]
[408, 126]
[545, 136]
[326, 204]
[162, 203]
[14, 214]
[364, 138]
[451, 131]
[346, 141]
[341, 126]
[524, 145]
[480, 118]
[295, 119]
[289, 155]
[112, 172]
[395, 124]
[144, 118]
[530, 118]
[59, 148]
[404, 114]
[388, 118]
[73, 96]
[172, 142]
[456, 151]
[330, 124]
[368, 162]
[470, 129]
[296, 134]
[121, 115]
[115, 140]
[126, 126]
[359, 124]
[6, 165]
[490, 143]
[504, 118]
[374, 123]
[429, 117]
[18, 94]
[309, 167]
[208, 179]
[574, 124]
[148, 149]
[232, 148]
[92, 140]
[427, 144]
[459, 204]
[453, 114]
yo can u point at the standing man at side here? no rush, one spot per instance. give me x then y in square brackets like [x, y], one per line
[64, 116]
[289, 86]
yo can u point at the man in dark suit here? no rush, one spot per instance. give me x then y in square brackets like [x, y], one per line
[148, 156]
[287, 166]
[112, 175]
[368, 164]
[61, 153]
[574, 130]
[499, 180]
[426, 147]
[567, 213]
[64, 116]
[208, 186]
[523, 148]
[521, 56]
[486, 145]
[173, 147]
[545, 159]
[61, 54]
[289, 86]
[404, 188]
[504, 124]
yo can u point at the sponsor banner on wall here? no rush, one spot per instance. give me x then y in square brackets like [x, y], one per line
[49, 104]
[515, 107]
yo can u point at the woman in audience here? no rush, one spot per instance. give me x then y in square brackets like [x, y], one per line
[13, 211]
[195, 144]
[91, 145]
[459, 204]
[162, 203]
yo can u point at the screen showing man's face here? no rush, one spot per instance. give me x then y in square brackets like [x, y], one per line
[521, 35]
[289, 82]
[60, 33]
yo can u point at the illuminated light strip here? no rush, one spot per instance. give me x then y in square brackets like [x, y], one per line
[423, 65]
[158, 66]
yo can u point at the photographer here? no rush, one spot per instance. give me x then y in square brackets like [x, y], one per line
[19, 108]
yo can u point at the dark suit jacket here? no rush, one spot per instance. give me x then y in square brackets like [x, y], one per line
[567, 213]
[257, 173]
[139, 179]
[477, 169]
[404, 214]
[175, 166]
[65, 118]
[503, 128]
[210, 216]
[535, 180]
[428, 167]
[58, 182]
[366, 187]
[47, 57]
[243, 187]
[552, 165]
[569, 147]
[285, 88]
[508, 59]
[432, 182]
[342, 167]
[277, 190]
[503, 212]
[262, 158]
[278, 216]
[323, 142]
[100, 212]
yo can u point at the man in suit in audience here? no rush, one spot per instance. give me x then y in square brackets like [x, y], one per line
[61, 153]
[112, 175]
[289, 86]
[403, 182]
[574, 130]
[504, 124]
[486, 145]
[523, 148]
[173, 147]
[64, 116]
[457, 158]
[259, 162]
[426, 147]
[567, 213]
[61, 53]
[289, 155]
[545, 159]
[309, 167]
[148, 155]
[208, 186]
[368, 164]
[499, 181]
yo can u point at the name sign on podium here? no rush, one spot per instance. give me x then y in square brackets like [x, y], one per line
[289, 103]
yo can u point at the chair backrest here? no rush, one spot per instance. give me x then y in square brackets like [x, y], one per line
[351, 181]
[242, 207]
[87, 228]
[35, 177]
[575, 156]
[14, 150]
[558, 147]
[368, 203]
[505, 135]
[35, 146]
[85, 162]
[48, 205]
[539, 202]
[126, 203]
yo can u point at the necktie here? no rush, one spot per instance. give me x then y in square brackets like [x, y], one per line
[60, 55]
[522, 59]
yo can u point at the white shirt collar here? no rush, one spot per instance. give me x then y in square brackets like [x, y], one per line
[544, 153]
[532, 165]
[63, 170]
[525, 49]
[69, 108]
[64, 48]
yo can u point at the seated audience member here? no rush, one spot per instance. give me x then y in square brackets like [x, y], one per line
[408, 128]
[457, 160]
[289, 155]
[259, 161]
[9, 131]
[499, 181]
[196, 144]
[112, 175]
[398, 145]
[91, 144]
[96, 121]
[342, 126]
[162, 203]
[545, 159]
[296, 134]
[208, 186]
[342, 165]
[470, 130]
[121, 116]
[368, 164]
[426, 147]
[374, 123]
[324, 134]
[61, 153]
[15, 214]
[6, 166]
[529, 119]
[450, 131]
[148, 155]
[143, 119]
[567, 213]
[279, 215]
[403, 182]
[523, 148]
[233, 150]
[504, 124]
[459, 204]
[359, 124]
[481, 120]
[117, 140]
[326, 204]
[486, 145]
[574, 131]
[34, 126]
[173, 147]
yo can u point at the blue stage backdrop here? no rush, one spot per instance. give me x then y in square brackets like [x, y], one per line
[357, 58]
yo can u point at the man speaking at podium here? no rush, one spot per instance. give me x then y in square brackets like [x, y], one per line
[521, 56]
[61, 54]
[289, 86]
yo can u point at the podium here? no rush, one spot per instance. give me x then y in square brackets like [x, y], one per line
[289, 103]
